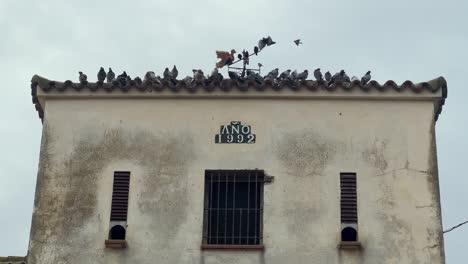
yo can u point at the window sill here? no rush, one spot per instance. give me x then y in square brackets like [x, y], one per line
[239, 247]
[114, 243]
[350, 245]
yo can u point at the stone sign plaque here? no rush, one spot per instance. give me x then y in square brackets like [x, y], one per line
[235, 133]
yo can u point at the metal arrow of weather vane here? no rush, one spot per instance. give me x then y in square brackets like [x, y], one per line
[227, 58]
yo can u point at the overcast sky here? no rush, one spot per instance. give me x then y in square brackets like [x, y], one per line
[395, 39]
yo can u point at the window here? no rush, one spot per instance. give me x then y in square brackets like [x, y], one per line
[119, 209]
[348, 204]
[233, 211]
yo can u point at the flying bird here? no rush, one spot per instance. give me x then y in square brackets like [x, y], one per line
[318, 74]
[225, 57]
[284, 74]
[174, 72]
[101, 76]
[83, 78]
[366, 78]
[303, 75]
[268, 41]
[110, 75]
[256, 50]
[297, 42]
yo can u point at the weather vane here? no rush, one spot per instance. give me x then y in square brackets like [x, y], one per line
[227, 58]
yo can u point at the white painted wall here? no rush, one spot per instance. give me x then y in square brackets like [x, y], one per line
[305, 144]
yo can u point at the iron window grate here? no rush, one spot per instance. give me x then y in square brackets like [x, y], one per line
[348, 198]
[120, 196]
[233, 211]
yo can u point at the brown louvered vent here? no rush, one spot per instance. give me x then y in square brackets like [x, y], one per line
[120, 196]
[348, 198]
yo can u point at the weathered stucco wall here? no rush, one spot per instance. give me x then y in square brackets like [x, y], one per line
[304, 144]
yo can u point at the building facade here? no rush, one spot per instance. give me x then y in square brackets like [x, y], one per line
[237, 172]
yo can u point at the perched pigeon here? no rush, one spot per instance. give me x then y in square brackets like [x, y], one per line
[101, 76]
[110, 75]
[273, 74]
[250, 72]
[293, 75]
[122, 78]
[83, 78]
[198, 75]
[166, 74]
[303, 75]
[354, 78]
[284, 74]
[260, 65]
[214, 73]
[328, 76]
[239, 56]
[150, 76]
[366, 78]
[187, 79]
[297, 42]
[137, 80]
[256, 50]
[344, 77]
[268, 41]
[318, 74]
[174, 72]
[233, 75]
[245, 57]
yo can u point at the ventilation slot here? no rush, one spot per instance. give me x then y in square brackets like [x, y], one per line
[348, 198]
[120, 196]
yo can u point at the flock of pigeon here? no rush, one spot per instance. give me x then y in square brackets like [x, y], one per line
[199, 76]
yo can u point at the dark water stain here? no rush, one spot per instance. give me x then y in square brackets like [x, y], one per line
[306, 153]
[374, 154]
[66, 194]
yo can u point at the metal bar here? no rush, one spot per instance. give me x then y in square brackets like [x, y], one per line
[225, 210]
[233, 206]
[248, 206]
[211, 205]
[217, 212]
[261, 216]
[240, 227]
[255, 222]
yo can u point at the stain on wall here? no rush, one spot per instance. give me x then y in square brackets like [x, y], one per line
[375, 154]
[66, 195]
[305, 153]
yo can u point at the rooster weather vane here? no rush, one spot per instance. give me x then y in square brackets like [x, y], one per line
[227, 58]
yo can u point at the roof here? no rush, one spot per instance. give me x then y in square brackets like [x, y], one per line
[13, 260]
[40, 86]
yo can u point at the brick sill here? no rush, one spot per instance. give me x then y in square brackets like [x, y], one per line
[350, 245]
[114, 243]
[238, 247]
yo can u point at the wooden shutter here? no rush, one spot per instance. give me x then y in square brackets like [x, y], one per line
[120, 196]
[348, 198]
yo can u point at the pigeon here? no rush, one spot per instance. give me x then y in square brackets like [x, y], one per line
[150, 76]
[354, 78]
[284, 74]
[187, 79]
[122, 78]
[233, 75]
[250, 72]
[174, 72]
[246, 57]
[101, 76]
[268, 41]
[239, 56]
[297, 42]
[274, 73]
[83, 78]
[303, 75]
[344, 77]
[318, 74]
[366, 78]
[137, 80]
[293, 75]
[110, 75]
[256, 50]
[328, 76]
[198, 75]
[214, 73]
[166, 74]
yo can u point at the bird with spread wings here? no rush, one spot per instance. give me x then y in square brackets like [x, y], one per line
[225, 57]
